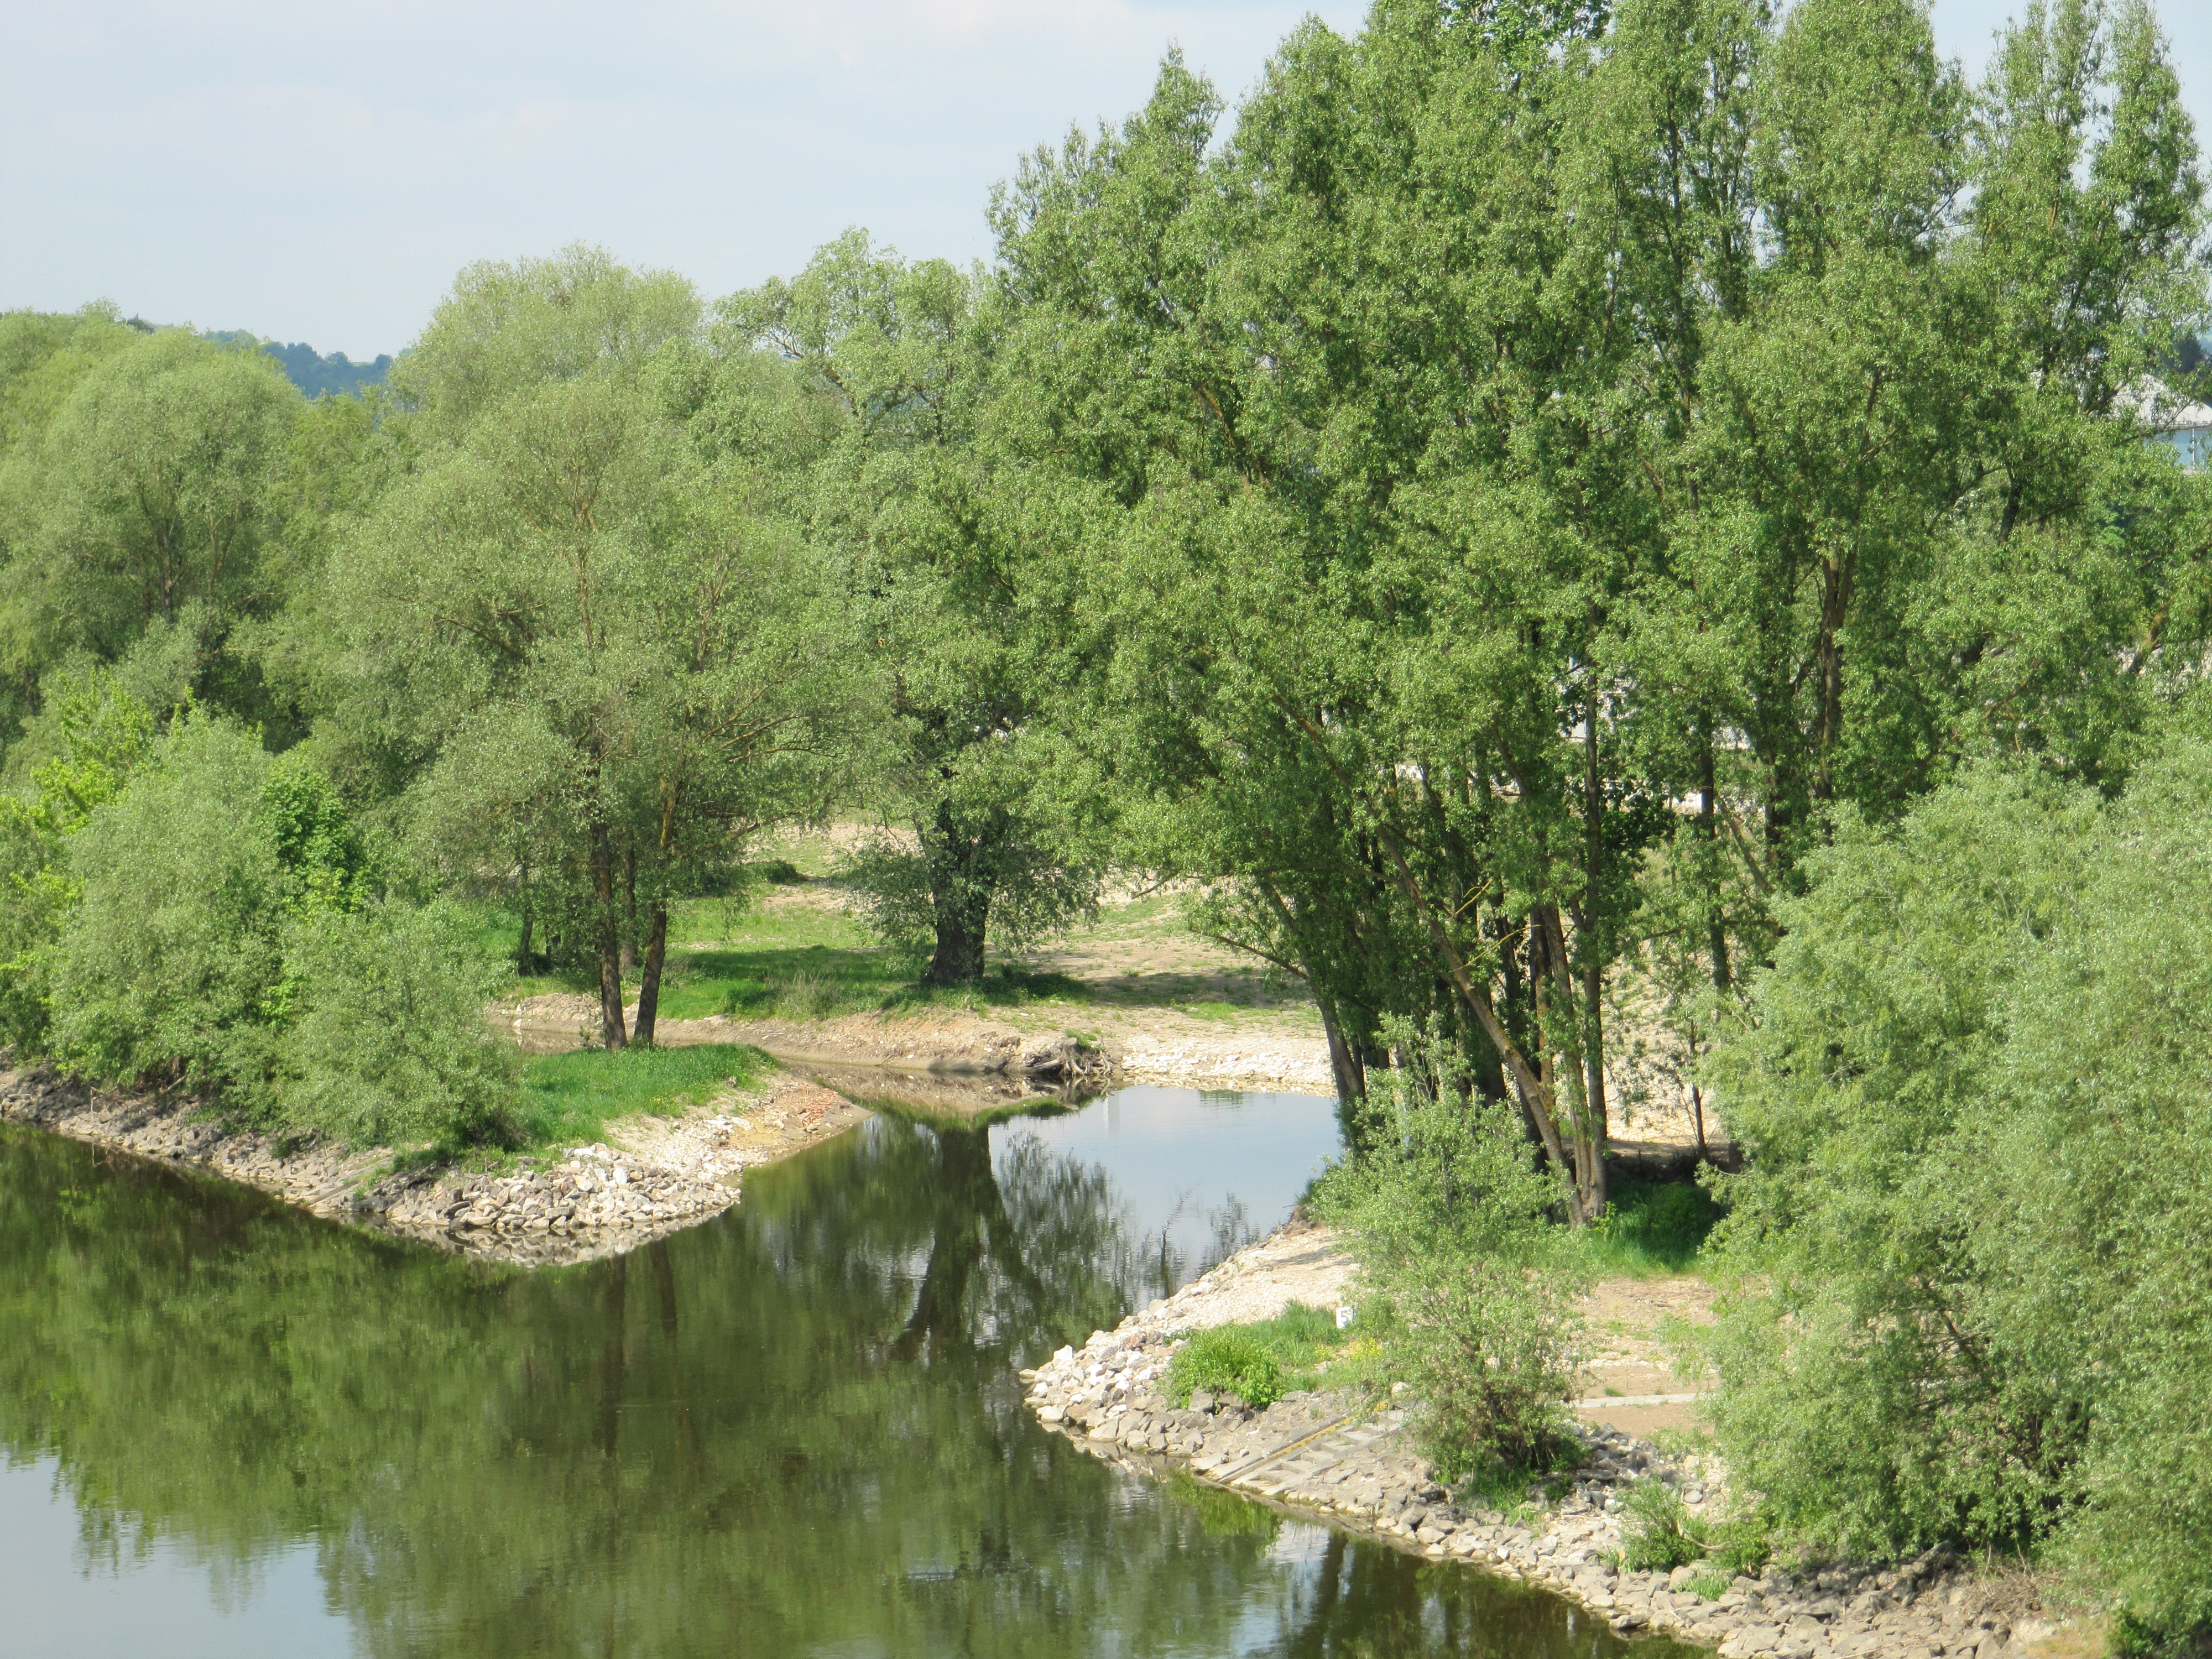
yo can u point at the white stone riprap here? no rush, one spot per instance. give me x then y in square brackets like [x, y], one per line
[1349, 1462]
[656, 1177]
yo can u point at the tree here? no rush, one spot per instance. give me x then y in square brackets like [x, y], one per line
[587, 614]
[148, 498]
[939, 550]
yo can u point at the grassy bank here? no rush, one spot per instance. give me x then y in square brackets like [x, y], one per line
[568, 1099]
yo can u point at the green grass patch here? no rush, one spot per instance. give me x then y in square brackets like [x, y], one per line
[1211, 1009]
[568, 1098]
[1299, 1348]
[727, 955]
[1650, 1229]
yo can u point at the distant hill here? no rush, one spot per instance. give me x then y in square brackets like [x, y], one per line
[311, 371]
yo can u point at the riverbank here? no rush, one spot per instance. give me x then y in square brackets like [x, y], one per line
[647, 1177]
[1114, 1048]
[1352, 1462]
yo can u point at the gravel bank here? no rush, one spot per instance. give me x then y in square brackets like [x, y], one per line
[651, 1178]
[1353, 1463]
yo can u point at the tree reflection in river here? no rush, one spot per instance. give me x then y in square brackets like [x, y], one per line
[792, 1430]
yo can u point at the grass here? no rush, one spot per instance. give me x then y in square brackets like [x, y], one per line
[1299, 1348]
[568, 1098]
[727, 957]
[1650, 1229]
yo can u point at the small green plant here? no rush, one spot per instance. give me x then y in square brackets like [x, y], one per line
[1741, 1544]
[806, 996]
[1228, 1359]
[1660, 1533]
[1707, 1584]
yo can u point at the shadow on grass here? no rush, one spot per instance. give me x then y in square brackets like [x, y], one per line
[1650, 1229]
[819, 981]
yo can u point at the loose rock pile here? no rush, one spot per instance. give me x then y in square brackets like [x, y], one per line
[594, 1203]
[1346, 1460]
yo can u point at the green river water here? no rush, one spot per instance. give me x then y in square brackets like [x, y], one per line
[229, 1428]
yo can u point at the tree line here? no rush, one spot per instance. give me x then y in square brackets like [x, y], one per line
[1503, 510]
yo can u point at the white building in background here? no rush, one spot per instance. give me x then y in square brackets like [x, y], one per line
[2184, 427]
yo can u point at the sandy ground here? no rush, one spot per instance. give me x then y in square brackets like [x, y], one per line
[733, 1132]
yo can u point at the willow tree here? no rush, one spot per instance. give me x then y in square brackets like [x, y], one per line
[613, 656]
[147, 498]
[950, 557]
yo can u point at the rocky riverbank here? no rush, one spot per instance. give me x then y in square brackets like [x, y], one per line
[1352, 1462]
[650, 1177]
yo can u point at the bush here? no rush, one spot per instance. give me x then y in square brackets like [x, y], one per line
[1451, 1224]
[1223, 1361]
[389, 1045]
[1488, 1345]
[163, 967]
[1977, 1104]
[1660, 1534]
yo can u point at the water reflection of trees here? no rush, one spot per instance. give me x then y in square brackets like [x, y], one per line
[791, 1432]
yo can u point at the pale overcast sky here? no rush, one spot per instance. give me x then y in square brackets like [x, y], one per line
[314, 172]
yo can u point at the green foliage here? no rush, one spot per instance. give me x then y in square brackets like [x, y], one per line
[1658, 1533]
[162, 968]
[151, 489]
[103, 732]
[387, 1044]
[1974, 1106]
[1452, 1226]
[1740, 1546]
[324, 855]
[1229, 1359]
[567, 1097]
[1650, 1228]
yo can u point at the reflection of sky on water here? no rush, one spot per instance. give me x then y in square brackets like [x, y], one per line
[66, 1601]
[1207, 1171]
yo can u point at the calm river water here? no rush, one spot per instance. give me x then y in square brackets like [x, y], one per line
[229, 1430]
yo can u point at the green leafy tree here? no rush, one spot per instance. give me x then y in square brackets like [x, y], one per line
[147, 497]
[938, 547]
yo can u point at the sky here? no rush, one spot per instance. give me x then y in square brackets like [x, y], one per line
[318, 172]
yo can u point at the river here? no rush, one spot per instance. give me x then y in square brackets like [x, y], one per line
[230, 1429]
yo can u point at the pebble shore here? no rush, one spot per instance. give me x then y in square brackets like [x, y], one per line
[593, 1203]
[1351, 1462]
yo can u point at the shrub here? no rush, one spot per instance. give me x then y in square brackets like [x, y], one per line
[1451, 1224]
[1488, 1346]
[1226, 1360]
[163, 966]
[1976, 1102]
[389, 1044]
[1660, 1534]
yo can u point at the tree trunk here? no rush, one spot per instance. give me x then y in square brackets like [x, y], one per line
[961, 903]
[630, 911]
[648, 989]
[612, 1035]
[525, 958]
[1343, 1064]
[1709, 830]
[958, 958]
[1592, 1178]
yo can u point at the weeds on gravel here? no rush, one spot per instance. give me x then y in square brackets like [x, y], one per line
[1660, 1533]
[1229, 1359]
[1301, 1344]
